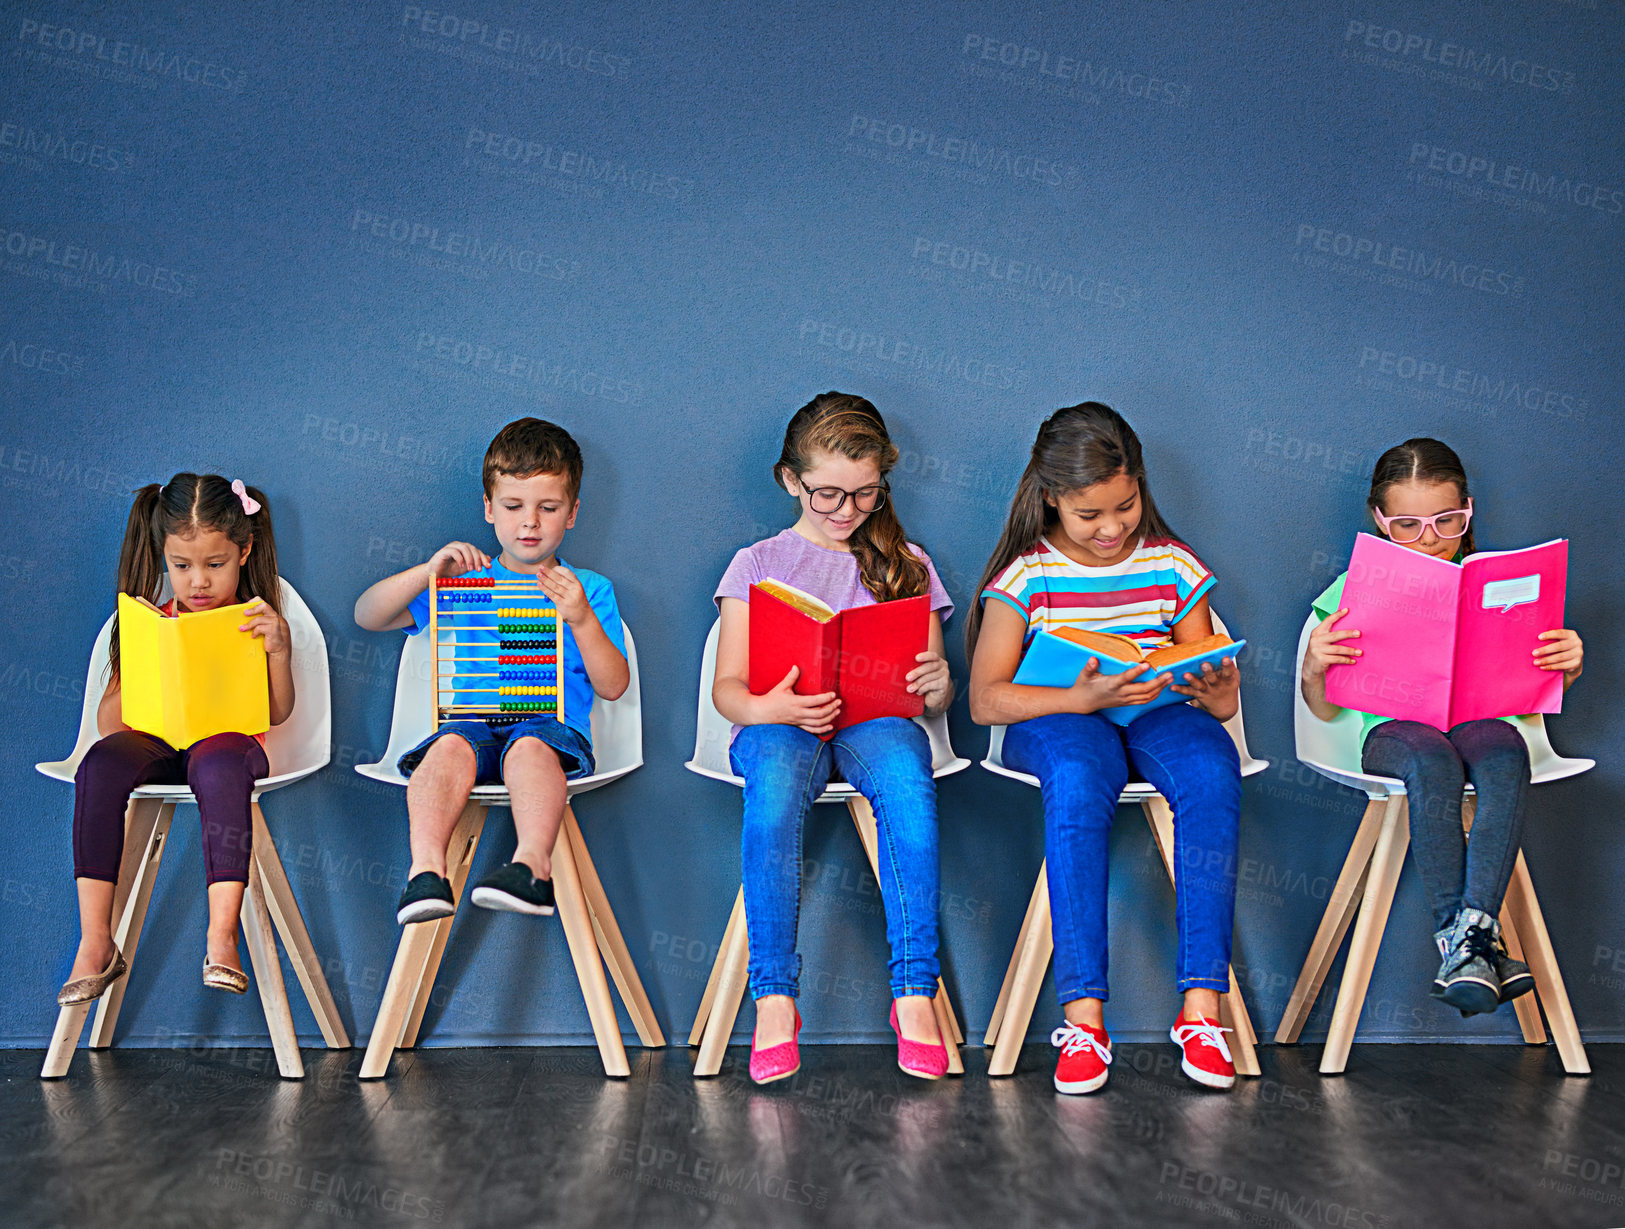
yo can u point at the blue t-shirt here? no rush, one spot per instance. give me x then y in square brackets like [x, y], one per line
[578, 693]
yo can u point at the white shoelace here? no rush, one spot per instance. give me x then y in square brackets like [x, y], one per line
[1185, 1031]
[1074, 1037]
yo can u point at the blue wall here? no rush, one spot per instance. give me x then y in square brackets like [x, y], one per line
[336, 246]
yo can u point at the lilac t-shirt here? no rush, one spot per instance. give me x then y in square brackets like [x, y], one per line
[829, 575]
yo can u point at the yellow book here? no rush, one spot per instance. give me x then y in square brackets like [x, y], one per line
[186, 678]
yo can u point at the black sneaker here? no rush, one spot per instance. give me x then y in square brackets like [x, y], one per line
[427, 897]
[1466, 979]
[1514, 975]
[512, 887]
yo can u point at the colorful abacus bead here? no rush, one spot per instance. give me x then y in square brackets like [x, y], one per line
[529, 706]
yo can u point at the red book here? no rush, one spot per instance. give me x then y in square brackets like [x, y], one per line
[863, 654]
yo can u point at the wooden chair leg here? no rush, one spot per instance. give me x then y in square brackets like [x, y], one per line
[1334, 924]
[1232, 1007]
[1032, 960]
[407, 991]
[578, 932]
[1527, 1006]
[460, 850]
[733, 961]
[991, 1038]
[262, 954]
[1522, 904]
[611, 945]
[863, 816]
[146, 833]
[70, 1022]
[736, 919]
[1381, 880]
[290, 926]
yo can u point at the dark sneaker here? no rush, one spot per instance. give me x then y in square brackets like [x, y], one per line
[512, 887]
[1466, 979]
[427, 896]
[1514, 975]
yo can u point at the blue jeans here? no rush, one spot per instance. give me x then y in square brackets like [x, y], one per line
[1456, 871]
[1083, 762]
[888, 761]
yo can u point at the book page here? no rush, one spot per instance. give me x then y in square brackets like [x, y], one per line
[1403, 603]
[1507, 599]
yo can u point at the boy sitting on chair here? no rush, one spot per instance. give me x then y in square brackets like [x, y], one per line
[532, 480]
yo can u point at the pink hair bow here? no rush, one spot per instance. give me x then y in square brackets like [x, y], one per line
[250, 504]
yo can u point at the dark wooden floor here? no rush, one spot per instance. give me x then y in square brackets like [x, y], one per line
[1411, 1136]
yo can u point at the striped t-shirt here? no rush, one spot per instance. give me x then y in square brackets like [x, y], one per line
[1141, 597]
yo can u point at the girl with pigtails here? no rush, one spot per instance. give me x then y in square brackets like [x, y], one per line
[213, 538]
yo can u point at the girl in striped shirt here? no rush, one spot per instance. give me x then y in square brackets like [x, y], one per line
[1085, 547]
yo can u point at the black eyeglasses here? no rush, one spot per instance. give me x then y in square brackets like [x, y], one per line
[828, 500]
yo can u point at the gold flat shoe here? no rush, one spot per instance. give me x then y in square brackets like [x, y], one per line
[88, 989]
[221, 977]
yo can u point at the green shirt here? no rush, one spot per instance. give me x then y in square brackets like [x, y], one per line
[1328, 604]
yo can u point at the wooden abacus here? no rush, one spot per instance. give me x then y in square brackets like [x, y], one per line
[522, 675]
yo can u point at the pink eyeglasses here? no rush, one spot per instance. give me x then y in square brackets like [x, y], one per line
[1447, 525]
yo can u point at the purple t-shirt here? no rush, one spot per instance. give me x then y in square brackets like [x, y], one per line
[829, 575]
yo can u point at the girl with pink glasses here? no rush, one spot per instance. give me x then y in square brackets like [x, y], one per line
[1419, 500]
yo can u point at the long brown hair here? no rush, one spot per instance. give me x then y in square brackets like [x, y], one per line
[1076, 447]
[184, 505]
[849, 426]
[1420, 460]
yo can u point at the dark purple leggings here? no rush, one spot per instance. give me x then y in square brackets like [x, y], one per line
[221, 771]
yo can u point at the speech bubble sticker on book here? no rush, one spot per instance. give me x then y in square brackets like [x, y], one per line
[187, 677]
[1055, 659]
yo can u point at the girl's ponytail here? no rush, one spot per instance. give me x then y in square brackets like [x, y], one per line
[140, 565]
[1076, 447]
[259, 577]
[1023, 526]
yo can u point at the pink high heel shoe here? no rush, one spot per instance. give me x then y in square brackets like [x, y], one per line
[929, 1062]
[776, 1062]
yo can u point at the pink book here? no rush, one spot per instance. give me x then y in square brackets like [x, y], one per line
[1444, 642]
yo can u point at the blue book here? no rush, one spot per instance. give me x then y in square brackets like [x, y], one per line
[1056, 661]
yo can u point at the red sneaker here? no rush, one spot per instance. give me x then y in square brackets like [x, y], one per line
[1085, 1054]
[1206, 1055]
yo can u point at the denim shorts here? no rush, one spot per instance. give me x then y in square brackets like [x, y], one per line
[574, 749]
